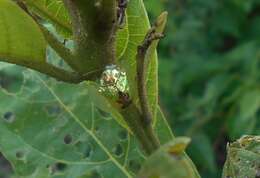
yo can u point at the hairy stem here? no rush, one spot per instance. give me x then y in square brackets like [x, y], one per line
[94, 31]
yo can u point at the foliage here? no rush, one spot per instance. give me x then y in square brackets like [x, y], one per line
[243, 158]
[16, 44]
[209, 74]
[46, 131]
[53, 129]
[172, 162]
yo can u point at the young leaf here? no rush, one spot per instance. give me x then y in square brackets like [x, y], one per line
[172, 162]
[21, 41]
[138, 25]
[165, 135]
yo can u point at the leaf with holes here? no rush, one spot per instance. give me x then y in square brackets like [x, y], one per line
[53, 129]
[243, 159]
[62, 126]
[24, 45]
[56, 130]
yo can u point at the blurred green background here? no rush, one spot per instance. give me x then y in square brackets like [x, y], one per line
[209, 75]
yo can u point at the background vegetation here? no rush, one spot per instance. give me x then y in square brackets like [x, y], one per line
[209, 75]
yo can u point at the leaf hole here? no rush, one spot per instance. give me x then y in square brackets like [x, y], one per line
[67, 139]
[58, 167]
[61, 166]
[19, 155]
[238, 159]
[88, 151]
[95, 174]
[105, 115]
[123, 135]
[97, 129]
[134, 166]
[253, 165]
[9, 117]
[118, 150]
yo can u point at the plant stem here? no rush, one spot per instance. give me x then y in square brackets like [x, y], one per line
[142, 60]
[145, 136]
[151, 135]
[131, 115]
[53, 71]
[94, 32]
[142, 63]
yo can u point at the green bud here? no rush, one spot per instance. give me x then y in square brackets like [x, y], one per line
[169, 162]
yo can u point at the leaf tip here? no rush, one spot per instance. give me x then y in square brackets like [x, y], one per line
[178, 145]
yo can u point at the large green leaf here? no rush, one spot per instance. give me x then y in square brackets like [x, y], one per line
[21, 41]
[54, 129]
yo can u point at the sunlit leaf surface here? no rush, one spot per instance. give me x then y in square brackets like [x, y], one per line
[21, 41]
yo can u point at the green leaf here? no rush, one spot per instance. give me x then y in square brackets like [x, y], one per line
[172, 161]
[71, 137]
[243, 158]
[138, 25]
[250, 103]
[122, 40]
[21, 41]
[57, 130]
[104, 105]
[165, 135]
[54, 129]
[245, 121]
[202, 153]
[53, 11]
